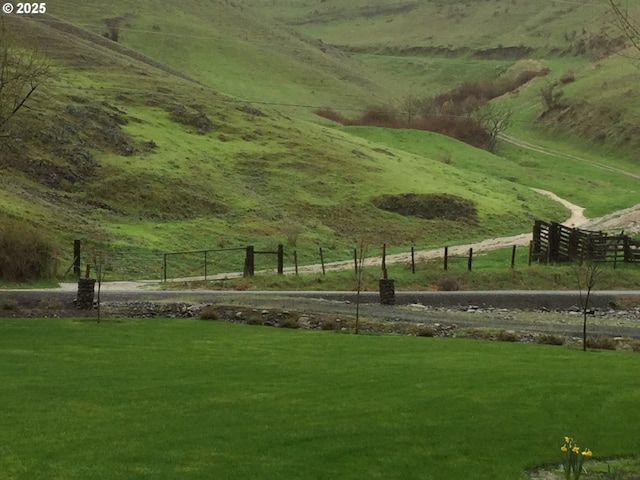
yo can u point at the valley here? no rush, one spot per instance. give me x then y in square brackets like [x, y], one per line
[197, 128]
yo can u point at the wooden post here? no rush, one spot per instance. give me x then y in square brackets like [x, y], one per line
[164, 267]
[384, 259]
[536, 244]
[87, 272]
[322, 261]
[446, 258]
[295, 261]
[355, 260]
[413, 260]
[513, 257]
[280, 259]
[76, 258]
[470, 261]
[249, 262]
[205, 265]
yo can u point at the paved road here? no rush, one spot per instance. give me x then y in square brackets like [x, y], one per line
[495, 309]
[522, 299]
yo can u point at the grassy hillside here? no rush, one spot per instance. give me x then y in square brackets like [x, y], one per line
[431, 46]
[194, 131]
[229, 48]
[487, 29]
[120, 151]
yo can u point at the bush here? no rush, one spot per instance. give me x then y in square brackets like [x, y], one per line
[288, 322]
[8, 304]
[550, 339]
[330, 322]
[25, 253]
[601, 342]
[428, 205]
[447, 284]
[332, 115]
[208, 313]
[424, 331]
[507, 336]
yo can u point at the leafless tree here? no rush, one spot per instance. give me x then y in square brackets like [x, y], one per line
[22, 71]
[495, 120]
[360, 253]
[587, 274]
[626, 21]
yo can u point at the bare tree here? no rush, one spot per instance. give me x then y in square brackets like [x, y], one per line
[99, 258]
[587, 274]
[359, 258]
[495, 120]
[626, 21]
[22, 71]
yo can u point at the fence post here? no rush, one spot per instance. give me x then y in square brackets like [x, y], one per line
[205, 265]
[280, 259]
[322, 261]
[355, 260]
[164, 267]
[513, 257]
[413, 260]
[249, 265]
[446, 258]
[536, 244]
[470, 261]
[76, 258]
[384, 259]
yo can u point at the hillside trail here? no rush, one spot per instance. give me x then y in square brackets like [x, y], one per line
[627, 219]
[576, 219]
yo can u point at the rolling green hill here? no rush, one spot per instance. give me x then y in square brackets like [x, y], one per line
[196, 130]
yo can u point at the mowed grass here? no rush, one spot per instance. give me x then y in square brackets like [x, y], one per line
[194, 399]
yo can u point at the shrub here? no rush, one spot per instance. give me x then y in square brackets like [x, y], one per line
[330, 322]
[49, 304]
[601, 342]
[25, 253]
[507, 336]
[550, 339]
[424, 331]
[208, 313]
[254, 320]
[568, 77]
[332, 115]
[428, 205]
[447, 284]
[288, 322]
[8, 304]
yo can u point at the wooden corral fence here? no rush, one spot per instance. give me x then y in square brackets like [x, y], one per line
[553, 242]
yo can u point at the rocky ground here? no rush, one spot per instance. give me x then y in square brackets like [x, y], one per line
[606, 328]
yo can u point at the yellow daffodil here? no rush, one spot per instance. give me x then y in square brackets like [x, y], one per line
[587, 453]
[575, 449]
[567, 439]
[563, 448]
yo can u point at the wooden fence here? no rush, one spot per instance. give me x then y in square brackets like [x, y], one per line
[553, 242]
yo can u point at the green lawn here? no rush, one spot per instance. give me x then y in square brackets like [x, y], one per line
[193, 399]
